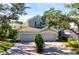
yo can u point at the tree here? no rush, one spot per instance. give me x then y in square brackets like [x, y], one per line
[74, 12]
[65, 20]
[11, 11]
[52, 17]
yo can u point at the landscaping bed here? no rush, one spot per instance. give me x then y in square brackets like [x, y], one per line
[73, 45]
[5, 45]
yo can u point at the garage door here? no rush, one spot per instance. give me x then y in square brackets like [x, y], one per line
[31, 37]
[27, 37]
[49, 37]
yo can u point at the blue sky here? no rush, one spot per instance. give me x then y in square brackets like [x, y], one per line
[39, 8]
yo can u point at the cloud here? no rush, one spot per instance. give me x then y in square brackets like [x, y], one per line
[25, 18]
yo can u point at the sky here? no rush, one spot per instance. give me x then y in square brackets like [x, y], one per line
[40, 8]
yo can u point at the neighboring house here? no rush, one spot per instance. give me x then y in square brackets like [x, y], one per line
[71, 32]
[36, 22]
[73, 25]
[14, 24]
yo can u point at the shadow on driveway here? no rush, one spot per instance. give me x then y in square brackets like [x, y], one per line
[56, 51]
[29, 49]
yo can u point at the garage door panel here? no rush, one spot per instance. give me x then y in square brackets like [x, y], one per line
[27, 37]
[31, 37]
[49, 37]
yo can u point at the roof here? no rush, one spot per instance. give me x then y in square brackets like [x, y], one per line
[28, 29]
[37, 17]
[51, 30]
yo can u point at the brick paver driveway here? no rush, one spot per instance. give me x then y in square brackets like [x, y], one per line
[51, 48]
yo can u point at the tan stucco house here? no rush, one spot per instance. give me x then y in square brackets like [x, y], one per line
[14, 24]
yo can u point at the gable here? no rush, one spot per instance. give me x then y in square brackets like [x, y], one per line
[35, 18]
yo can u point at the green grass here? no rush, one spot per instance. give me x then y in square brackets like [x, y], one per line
[5, 45]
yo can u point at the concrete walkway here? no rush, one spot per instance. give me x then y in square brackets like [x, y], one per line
[51, 48]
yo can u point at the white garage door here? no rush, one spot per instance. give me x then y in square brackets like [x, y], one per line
[31, 37]
[27, 37]
[49, 37]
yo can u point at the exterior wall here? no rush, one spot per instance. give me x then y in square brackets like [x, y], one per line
[73, 25]
[14, 24]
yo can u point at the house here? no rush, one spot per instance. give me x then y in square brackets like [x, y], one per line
[73, 25]
[14, 24]
[71, 32]
[26, 35]
[36, 22]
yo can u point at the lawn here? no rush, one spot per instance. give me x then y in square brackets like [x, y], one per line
[5, 45]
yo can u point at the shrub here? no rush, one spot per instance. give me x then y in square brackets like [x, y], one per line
[5, 45]
[39, 43]
[74, 44]
[1, 49]
[14, 38]
[70, 39]
[3, 32]
[64, 38]
[13, 32]
[13, 35]
[2, 35]
[67, 45]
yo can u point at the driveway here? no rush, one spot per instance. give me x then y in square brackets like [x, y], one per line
[51, 48]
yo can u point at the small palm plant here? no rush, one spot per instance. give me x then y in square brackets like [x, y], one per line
[39, 43]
